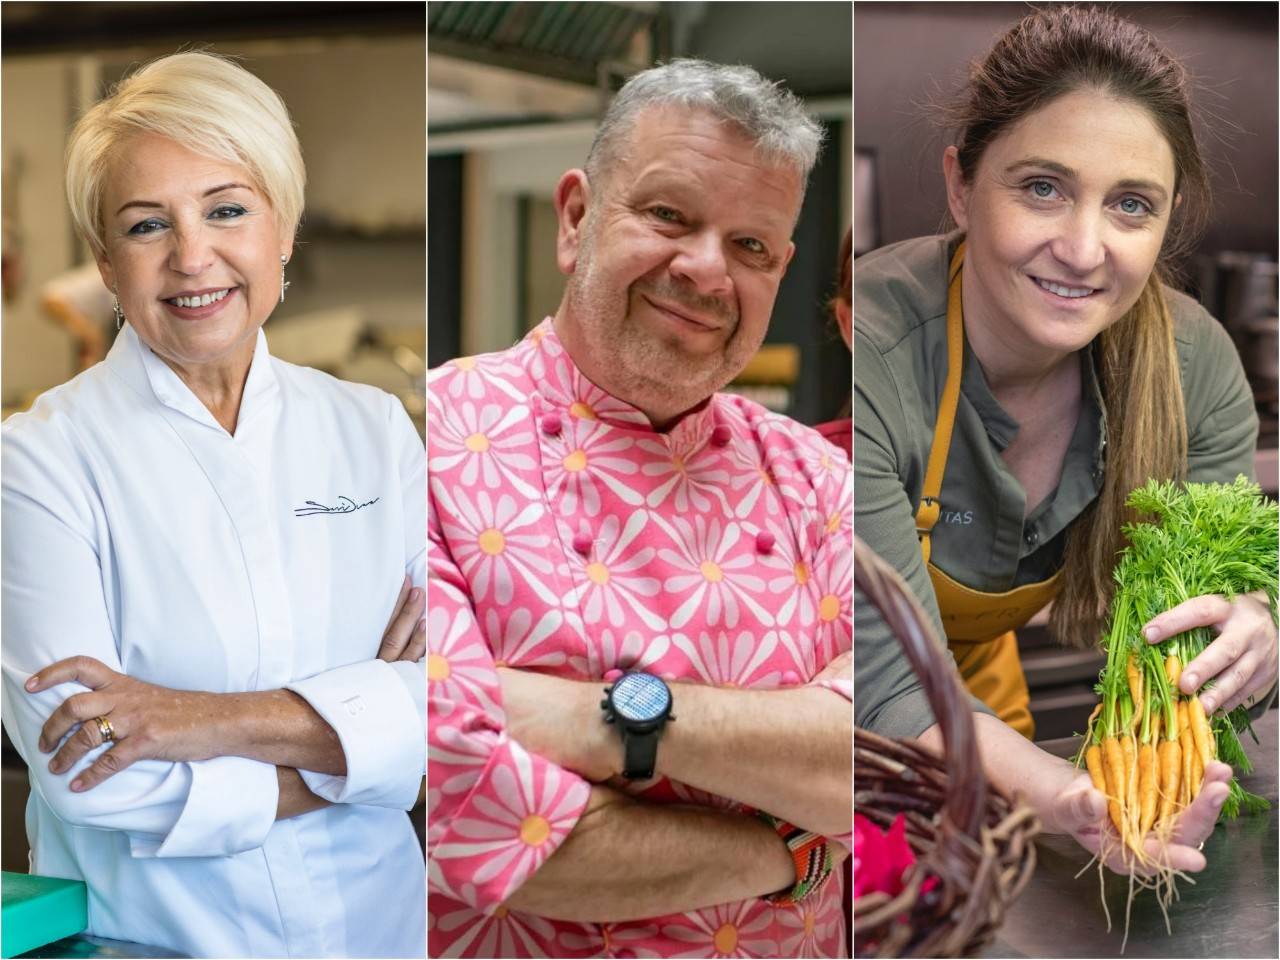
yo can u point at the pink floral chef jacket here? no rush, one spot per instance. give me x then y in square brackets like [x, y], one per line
[567, 536]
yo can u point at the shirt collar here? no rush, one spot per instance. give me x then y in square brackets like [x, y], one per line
[1003, 428]
[137, 365]
[1000, 426]
[562, 388]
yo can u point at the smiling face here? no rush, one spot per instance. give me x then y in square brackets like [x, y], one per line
[1064, 217]
[193, 250]
[675, 260]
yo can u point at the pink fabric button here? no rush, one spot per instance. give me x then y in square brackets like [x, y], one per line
[765, 541]
[612, 676]
[720, 436]
[791, 678]
[551, 424]
[582, 543]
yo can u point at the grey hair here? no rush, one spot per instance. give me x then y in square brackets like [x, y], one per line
[772, 117]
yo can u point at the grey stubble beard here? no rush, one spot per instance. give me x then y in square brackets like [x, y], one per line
[647, 371]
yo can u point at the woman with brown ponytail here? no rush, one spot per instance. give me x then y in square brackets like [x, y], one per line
[1015, 379]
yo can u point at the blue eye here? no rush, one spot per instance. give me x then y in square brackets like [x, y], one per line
[1134, 207]
[666, 214]
[150, 225]
[1042, 189]
[752, 244]
[227, 211]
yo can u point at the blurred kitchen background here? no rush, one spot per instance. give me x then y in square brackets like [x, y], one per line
[514, 91]
[910, 55]
[354, 78]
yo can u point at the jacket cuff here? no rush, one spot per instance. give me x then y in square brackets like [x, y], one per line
[515, 816]
[381, 725]
[230, 808]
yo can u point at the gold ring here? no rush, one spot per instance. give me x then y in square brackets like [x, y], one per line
[105, 728]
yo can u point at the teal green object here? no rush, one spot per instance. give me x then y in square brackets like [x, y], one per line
[40, 910]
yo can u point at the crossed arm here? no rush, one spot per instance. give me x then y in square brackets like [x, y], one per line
[788, 752]
[627, 860]
[785, 751]
[623, 858]
[151, 722]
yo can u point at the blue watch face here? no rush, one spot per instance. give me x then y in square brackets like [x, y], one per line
[639, 697]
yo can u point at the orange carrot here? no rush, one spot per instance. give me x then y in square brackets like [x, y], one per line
[1093, 760]
[1188, 749]
[1113, 771]
[1129, 805]
[1200, 731]
[1135, 688]
[1197, 775]
[1173, 667]
[1146, 788]
[1170, 777]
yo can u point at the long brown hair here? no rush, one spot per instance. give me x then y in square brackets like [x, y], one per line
[844, 265]
[1050, 53]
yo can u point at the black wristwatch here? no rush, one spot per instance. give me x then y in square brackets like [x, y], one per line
[639, 704]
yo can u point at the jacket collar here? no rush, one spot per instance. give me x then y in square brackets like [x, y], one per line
[135, 363]
[562, 389]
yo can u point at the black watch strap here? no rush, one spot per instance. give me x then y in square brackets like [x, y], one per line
[639, 754]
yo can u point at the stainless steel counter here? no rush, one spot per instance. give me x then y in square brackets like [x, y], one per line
[1231, 911]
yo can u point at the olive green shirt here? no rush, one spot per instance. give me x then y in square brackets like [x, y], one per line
[982, 538]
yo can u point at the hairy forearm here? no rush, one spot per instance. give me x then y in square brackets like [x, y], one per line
[626, 860]
[278, 726]
[1016, 764]
[295, 797]
[785, 751]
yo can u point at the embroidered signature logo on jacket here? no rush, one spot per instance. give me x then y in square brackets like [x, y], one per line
[345, 505]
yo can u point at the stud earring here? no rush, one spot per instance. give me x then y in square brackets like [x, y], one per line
[284, 284]
[115, 308]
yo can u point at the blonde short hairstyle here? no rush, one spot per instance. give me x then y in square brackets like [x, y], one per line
[203, 102]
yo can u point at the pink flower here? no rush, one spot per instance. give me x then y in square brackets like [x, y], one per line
[880, 859]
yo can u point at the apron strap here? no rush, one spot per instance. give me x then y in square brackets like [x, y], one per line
[930, 510]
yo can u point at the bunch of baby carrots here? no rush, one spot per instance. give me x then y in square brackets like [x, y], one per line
[1149, 751]
[1148, 744]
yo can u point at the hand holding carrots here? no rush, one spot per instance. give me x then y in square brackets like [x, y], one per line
[1240, 662]
[1199, 556]
[1080, 811]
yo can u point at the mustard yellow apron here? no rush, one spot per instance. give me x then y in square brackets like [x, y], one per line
[979, 626]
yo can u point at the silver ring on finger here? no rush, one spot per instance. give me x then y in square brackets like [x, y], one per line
[104, 727]
[1201, 847]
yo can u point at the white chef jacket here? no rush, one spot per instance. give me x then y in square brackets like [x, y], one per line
[136, 530]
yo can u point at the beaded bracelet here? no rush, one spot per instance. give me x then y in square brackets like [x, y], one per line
[811, 855]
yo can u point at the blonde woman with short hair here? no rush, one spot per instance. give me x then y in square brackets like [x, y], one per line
[203, 546]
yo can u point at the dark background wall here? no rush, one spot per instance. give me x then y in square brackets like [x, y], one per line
[906, 54]
[800, 314]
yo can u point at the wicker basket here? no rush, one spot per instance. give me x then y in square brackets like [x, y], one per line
[965, 832]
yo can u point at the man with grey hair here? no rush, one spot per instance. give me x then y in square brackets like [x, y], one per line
[602, 519]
